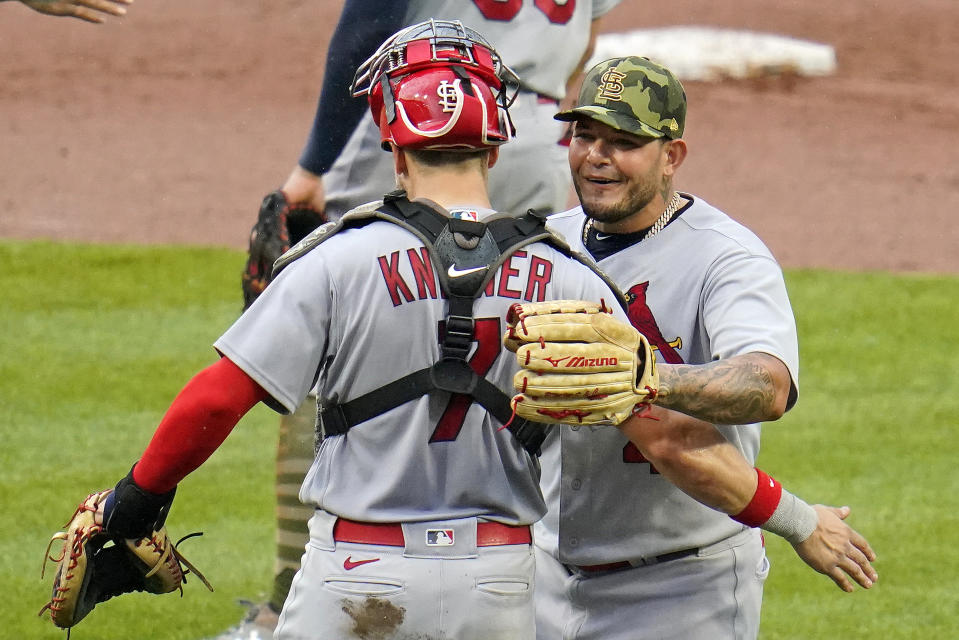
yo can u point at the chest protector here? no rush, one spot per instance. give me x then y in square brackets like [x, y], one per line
[468, 255]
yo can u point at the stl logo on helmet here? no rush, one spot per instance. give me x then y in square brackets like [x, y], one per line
[612, 86]
[448, 94]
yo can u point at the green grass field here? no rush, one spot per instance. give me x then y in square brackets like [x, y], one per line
[97, 341]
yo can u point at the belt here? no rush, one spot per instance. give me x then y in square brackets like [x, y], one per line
[488, 534]
[618, 566]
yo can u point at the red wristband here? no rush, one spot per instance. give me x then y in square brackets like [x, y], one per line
[763, 503]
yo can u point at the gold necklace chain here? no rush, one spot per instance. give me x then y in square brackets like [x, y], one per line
[658, 226]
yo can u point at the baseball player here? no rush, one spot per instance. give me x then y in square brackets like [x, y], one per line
[343, 165]
[545, 42]
[424, 487]
[622, 552]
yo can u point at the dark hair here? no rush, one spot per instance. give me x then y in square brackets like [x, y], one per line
[444, 157]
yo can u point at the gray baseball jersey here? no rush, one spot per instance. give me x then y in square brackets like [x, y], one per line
[521, 30]
[702, 289]
[363, 309]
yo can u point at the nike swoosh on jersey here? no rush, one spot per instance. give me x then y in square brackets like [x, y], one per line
[453, 272]
[350, 563]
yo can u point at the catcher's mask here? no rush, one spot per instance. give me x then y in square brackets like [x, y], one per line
[438, 85]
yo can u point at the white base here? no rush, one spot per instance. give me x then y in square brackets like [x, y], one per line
[708, 53]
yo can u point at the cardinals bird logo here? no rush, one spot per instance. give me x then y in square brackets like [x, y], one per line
[641, 317]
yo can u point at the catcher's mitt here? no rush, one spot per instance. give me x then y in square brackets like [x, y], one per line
[279, 226]
[94, 566]
[579, 364]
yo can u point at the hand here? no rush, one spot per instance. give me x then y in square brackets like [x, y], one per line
[838, 551]
[82, 9]
[100, 516]
[304, 187]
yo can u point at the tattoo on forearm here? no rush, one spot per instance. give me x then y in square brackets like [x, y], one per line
[736, 391]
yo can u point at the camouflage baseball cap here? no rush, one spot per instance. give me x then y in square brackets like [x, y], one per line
[632, 94]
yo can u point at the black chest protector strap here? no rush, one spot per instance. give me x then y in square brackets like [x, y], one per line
[467, 254]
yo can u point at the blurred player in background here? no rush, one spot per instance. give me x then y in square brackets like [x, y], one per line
[546, 42]
[89, 10]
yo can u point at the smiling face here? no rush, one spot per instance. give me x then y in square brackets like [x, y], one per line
[617, 174]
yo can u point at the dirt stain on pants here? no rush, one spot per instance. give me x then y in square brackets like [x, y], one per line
[374, 618]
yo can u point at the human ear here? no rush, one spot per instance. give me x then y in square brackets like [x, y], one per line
[675, 155]
[493, 157]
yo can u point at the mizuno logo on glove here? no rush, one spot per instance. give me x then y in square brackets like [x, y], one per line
[575, 362]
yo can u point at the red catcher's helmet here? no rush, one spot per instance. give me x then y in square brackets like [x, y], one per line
[438, 85]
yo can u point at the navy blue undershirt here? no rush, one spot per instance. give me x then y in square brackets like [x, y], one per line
[601, 245]
[363, 26]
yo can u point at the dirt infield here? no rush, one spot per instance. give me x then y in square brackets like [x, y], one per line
[170, 125]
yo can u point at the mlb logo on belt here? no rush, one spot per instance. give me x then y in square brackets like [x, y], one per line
[439, 537]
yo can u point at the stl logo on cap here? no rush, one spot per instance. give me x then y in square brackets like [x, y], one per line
[632, 94]
[611, 86]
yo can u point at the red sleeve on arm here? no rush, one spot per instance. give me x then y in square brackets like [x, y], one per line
[198, 421]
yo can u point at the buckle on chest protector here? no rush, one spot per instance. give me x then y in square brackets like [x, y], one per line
[458, 337]
[454, 376]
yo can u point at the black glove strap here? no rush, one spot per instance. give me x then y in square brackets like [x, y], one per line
[135, 512]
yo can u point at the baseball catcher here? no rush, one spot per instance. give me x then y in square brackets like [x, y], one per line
[115, 543]
[579, 364]
[279, 226]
